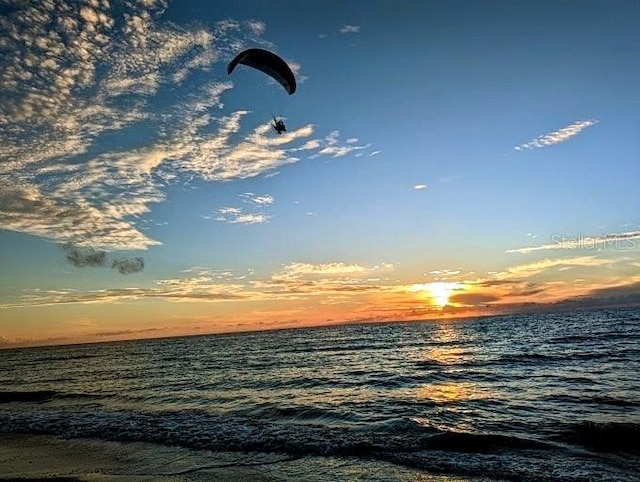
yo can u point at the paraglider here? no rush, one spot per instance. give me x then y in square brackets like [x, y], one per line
[279, 126]
[269, 63]
[272, 65]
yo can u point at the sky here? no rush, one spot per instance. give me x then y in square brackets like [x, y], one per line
[443, 159]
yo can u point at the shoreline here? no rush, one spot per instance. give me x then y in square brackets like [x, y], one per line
[50, 458]
[46, 457]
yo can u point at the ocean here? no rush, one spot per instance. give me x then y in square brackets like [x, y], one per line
[535, 397]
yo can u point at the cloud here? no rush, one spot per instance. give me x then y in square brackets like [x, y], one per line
[419, 186]
[297, 269]
[616, 241]
[448, 274]
[78, 80]
[294, 281]
[350, 29]
[257, 200]
[175, 293]
[61, 84]
[85, 257]
[257, 27]
[472, 298]
[231, 216]
[548, 281]
[255, 215]
[128, 266]
[332, 147]
[296, 68]
[531, 269]
[349, 273]
[82, 257]
[560, 135]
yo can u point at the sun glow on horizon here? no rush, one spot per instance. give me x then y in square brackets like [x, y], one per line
[439, 291]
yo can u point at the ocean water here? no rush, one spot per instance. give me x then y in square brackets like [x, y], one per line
[539, 397]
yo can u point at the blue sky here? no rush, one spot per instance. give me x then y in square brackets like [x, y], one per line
[430, 146]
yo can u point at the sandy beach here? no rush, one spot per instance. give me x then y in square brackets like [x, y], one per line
[41, 457]
[46, 457]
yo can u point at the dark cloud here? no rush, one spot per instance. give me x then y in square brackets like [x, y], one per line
[89, 257]
[472, 298]
[617, 291]
[615, 296]
[128, 266]
[494, 282]
[527, 292]
[82, 257]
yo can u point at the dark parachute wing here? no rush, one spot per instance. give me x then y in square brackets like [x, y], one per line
[269, 63]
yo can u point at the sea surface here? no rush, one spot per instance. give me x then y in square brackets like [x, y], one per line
[537, 397]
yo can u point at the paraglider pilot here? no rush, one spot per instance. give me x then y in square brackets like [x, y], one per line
[279, 126]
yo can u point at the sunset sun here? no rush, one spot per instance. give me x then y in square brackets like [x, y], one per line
[439, 291]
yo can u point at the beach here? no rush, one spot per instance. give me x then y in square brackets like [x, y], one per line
[45, 457]
[48, 457]
[542, 398]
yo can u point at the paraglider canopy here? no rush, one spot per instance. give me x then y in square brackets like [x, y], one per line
[269, 63]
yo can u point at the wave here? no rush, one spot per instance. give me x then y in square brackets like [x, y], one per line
[590, 338]
[604, 437]
[535, 358]
[593, 400]
[298, 414]
[479, 443]
[41, 396]
[49, 358]
[200, 430]
[28, 396]
[401, 441]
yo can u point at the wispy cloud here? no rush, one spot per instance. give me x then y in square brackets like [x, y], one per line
[257, 200]
[298, 269]
[350, 29]
[294, 281]
[331, 146]
[296, 68]
[447, 274]
[300, 277]
[71, 74]
[537, 267]
[338, 291]
[238, 215]
[615, 241]
[560, 135]
[546, 281]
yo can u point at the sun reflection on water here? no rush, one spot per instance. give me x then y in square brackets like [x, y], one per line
[451, 348]
[451, 391]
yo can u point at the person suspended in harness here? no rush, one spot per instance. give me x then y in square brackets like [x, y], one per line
[279, 126]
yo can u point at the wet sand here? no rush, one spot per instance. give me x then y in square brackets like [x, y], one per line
[41, 457]
[46, 457]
